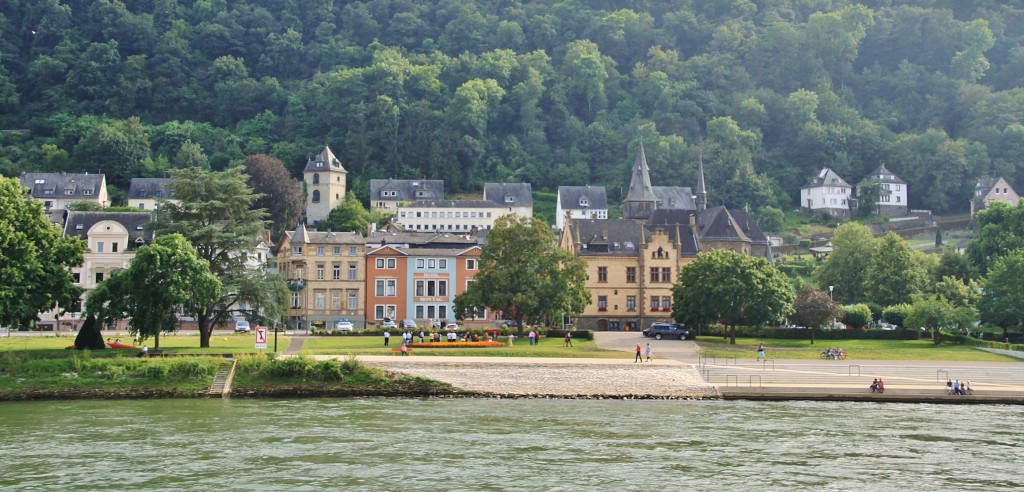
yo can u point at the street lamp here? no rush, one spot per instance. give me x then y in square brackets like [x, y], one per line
[832, 305]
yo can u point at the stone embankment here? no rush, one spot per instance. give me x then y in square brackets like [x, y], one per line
[556, 378]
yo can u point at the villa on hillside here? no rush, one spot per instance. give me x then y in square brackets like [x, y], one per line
[892, 202]
[989, 190]
[827, 193]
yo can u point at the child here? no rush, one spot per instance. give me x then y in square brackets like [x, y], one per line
[648, 352]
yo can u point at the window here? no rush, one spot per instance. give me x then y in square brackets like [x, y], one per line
[655, 303]
[336, 272]
[442, 288]
[420, 262]
[379, 291]
[76, 277]
[99, 247]
[296, 304]
[351, 250]
[897, 199]
[431, 263]
[471, 264]
[353, 298]
[602, 274]
[602, 303]
[630, 303]
[442, 263]
[337, 250]
[319, 250]
[666, 274]
[316, 178]
[419, 312]
[335, 299]
[318, 299]
[419, 288]
[380, 263]
[655, 276]
[631, 275]
[113, 247]
[296, 250]
[666, 303]
[99, 277]
[392, 287]
[316, 196]
[442, 312]
[320, 271]
[352, 274]
[431, 288]
[142, 206]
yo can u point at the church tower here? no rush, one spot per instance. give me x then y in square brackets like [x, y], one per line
[702, 194]
[640, 201]
[325, 181]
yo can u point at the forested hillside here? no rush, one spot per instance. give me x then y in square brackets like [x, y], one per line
[548, 92]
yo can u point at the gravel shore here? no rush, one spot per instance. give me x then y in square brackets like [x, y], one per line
[559, 378]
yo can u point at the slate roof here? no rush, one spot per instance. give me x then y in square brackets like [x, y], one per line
[454, 204]
[640, 189]
[887, 176]
[407, 189]
[722, 224]
[624, 237]
[143, 188]
[985, 185]
[509, 194]
[674, 197]
[63, 185]
[827, 177]
[569, 197]
[303, 236]
[324, 161]
[79, 223]
[421, 239]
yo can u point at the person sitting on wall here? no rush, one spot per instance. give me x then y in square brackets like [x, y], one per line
[874, 385]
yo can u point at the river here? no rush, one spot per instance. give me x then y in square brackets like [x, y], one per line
[493, 444]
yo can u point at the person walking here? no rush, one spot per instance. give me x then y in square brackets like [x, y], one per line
[760, 352]
[387, 337]
[533, 337]
[568, 339]
[648, 351]
[639, 357]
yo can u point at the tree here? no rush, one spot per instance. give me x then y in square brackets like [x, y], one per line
[524, 274]
[1000, 230]
[956, 265]
[857, 315]
[164, 277]
[813, 308]
[846, 267]
[930, 313]
[893, 277]
[35, 260]
[731, 288]
[280, 194]
[214, 212]
[350, 216]
[1002, 299]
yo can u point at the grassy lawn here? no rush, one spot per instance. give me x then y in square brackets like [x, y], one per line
[746, 348]
[548, 347]
[48, 346]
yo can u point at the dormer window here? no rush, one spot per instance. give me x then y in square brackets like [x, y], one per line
[69, 191]
[40, 181]
[78, 227]
[87, 192]
[319, 164]
[509, 199]
[584, 202]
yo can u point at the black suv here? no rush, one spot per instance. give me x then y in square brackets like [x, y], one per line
[666, 330]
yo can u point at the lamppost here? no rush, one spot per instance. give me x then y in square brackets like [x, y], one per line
[831, 305]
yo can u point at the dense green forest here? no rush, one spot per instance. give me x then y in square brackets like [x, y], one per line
[548, 92]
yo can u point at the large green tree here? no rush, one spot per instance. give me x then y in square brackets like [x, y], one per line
[35, 259]
[999, 230]
[525, 274]
[893, 277]
[214, 212]
[164, 277]
[813, 308]
[846, 268]
[733, 289]
[1002, 298]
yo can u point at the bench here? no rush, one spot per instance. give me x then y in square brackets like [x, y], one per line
[398, 350]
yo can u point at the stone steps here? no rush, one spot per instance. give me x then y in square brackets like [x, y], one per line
[221, 386]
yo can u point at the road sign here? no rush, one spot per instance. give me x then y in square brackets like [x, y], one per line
[261, 337]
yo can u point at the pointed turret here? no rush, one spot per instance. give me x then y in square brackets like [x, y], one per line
[640, 201]
[702, 193]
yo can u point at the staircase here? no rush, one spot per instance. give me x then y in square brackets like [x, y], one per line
[221, 386]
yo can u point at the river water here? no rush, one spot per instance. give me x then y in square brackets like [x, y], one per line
[492, 444]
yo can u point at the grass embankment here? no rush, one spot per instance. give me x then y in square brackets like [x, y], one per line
[260, 375]
[28, 375]
[746, 348]
[49, 346]
[548, 347]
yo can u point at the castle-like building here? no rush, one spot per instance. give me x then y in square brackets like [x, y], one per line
[633, 261]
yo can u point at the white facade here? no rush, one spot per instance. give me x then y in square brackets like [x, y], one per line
[827, 193]
[580, 202]
[455, 216]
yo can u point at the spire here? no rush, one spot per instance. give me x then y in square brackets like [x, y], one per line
[300, 234]
[702, 193]
[640, 200]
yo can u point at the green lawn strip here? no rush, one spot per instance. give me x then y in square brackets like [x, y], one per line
[48, 346]
[360, 345]
[260, 375]
[22, 373]
[746, 348]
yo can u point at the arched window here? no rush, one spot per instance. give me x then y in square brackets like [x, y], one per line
[316, 196]
[316, 179]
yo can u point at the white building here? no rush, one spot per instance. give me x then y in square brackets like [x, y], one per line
[58, 190]
[386, 195]
[580, 202]
[146, 193]
[827, 193]
[516, 196]
[456, 216]
[892, 200]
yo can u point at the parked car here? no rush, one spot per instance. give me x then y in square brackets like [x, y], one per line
[408, 324]
[241, 326]
[388, 323]
[343, 324]
[666, 330]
